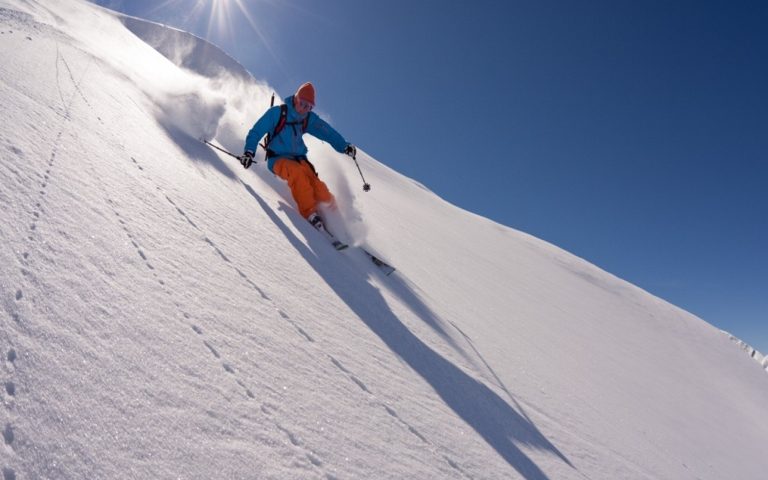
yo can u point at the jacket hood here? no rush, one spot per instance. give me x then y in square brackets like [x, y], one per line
[293, 115]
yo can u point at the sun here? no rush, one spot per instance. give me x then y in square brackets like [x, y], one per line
[220, 16]
[223, 17]
[223, 22]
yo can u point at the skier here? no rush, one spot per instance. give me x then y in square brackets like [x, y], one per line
[285, 126]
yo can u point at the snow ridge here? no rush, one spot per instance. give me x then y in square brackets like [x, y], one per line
[186, 50]
[752, 352]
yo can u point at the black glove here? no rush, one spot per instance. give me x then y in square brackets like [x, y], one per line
[351, 150]
[246, 159]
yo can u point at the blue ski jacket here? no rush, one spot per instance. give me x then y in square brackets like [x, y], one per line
[289, 142]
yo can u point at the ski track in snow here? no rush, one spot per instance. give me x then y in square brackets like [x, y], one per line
[9, 401]
[305, 454]
[302, 332]
[38, 215]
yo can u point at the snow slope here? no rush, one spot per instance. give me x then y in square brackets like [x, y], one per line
[167, 314]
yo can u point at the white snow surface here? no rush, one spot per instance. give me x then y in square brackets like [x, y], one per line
[166, 314]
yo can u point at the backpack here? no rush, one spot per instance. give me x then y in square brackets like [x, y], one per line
[281, 123]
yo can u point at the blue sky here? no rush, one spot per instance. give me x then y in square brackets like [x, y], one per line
[633, 134]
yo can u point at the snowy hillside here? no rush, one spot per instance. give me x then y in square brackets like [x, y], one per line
[166, 314]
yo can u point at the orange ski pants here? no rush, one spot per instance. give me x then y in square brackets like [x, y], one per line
[307, 189]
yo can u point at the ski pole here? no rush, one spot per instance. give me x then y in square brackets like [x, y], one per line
[366, 185]
[220, 149]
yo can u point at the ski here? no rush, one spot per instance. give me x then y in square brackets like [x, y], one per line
[339, 245]
[335, 242]
[384, 266]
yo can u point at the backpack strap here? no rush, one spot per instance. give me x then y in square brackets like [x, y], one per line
[281, 123]
[279, 127]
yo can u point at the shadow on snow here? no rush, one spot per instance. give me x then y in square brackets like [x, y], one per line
[500, 425]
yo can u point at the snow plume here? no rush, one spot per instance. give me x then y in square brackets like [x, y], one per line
[190, 86]
[222, 108]
[246, 101]
[192, 112]
[337, 170]
[226, 98]
[181, 100]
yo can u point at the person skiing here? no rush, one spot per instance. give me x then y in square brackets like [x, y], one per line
[285, 126]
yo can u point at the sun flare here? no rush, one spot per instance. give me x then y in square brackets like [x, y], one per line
[221, 17]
